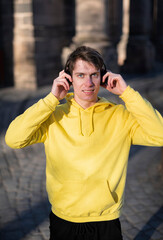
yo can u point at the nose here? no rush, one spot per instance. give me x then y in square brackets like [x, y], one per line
[89, 81]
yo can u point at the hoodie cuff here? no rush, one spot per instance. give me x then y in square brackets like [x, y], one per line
[127, 94]
[51, 101]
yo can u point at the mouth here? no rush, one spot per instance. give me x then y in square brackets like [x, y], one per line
[88, 91]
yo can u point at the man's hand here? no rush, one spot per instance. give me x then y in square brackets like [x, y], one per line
[116, 83]
[60, 85]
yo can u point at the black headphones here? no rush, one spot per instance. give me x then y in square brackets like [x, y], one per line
[103, 72]
[68, 72]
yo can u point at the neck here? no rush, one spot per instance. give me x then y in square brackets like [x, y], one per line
[85, 104]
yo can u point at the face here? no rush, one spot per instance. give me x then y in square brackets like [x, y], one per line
[86, 83]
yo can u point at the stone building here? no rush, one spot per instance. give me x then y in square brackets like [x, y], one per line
[36, 36]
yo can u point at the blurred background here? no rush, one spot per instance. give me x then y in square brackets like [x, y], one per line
[36, 37]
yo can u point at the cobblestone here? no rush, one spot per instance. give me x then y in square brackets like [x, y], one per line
[24, 207]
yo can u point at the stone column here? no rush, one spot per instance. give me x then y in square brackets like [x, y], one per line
[140, 51]
[91, 30]
[158, 17]
[24, 45]
[1, 52]
[48, 19]
[38, 41]
[6, 43]
[115, 21]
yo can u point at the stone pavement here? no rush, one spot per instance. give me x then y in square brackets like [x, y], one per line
[24, 206]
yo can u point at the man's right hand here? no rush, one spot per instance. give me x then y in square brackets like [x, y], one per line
[60, 85]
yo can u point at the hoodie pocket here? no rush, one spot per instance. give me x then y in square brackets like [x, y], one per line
[81, 199]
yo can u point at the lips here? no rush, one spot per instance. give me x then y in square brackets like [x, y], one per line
[88, 91]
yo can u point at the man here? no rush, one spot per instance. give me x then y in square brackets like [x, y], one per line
[87, 142]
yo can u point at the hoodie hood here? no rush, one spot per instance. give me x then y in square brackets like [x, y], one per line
[86, 116]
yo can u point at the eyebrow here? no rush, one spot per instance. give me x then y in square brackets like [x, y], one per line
[85, 73]
[79, 73]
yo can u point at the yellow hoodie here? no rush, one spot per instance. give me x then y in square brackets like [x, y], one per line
[87, 150]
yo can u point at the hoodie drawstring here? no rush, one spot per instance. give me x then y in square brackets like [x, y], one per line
[79, 121]
[90, 122]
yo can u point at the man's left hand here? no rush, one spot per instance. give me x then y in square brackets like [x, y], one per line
[116, 84]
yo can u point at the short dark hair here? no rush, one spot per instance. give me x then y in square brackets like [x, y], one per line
[86, 54]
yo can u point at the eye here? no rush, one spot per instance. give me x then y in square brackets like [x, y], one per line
[80, 75]
[95, 75]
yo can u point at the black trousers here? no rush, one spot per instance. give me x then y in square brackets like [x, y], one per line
[63, 230]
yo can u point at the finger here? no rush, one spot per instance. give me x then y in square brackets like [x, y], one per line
[109, 82]
[113, 83]
[65, 75]
[114, 78]
[63, 83]
[104, 78]
[68, 78]
[61, 72]
[106, 75]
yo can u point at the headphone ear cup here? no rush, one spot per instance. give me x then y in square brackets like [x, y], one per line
[103, 72]
[67, 68]
[68, 72]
